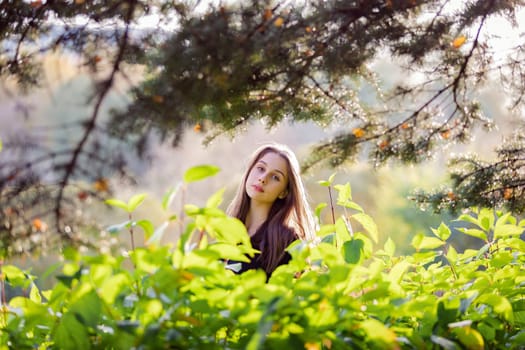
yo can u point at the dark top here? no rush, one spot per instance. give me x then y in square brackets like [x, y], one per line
[258, 242]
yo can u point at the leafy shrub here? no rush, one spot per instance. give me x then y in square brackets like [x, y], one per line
[337, 293]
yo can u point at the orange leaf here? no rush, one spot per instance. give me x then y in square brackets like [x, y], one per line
[278, 22]
[451, 195]
[39, 225]
[197, 127]
[327, 343]
[36, 3]
[311, 346]
[405, 126]
[384, 144]
[323, 305]
[79, 2]
[188, 276]
[445, 134]
[308, 29]
[101, 185]
[358, 132]
[507, 194]
[459, 41]
[267, 14]
[83, 195]
[158, 98]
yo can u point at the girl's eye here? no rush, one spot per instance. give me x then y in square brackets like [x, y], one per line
[276, 178]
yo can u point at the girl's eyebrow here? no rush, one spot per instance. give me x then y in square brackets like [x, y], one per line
[276, 170]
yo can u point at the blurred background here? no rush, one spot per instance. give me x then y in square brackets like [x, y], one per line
[383, 192]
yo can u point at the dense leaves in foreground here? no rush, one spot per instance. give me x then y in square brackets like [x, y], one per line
[339, 292]
[221, 68]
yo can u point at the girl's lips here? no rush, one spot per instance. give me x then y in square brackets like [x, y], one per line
[257, 188]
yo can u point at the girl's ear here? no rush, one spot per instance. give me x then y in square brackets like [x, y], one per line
[283, 194]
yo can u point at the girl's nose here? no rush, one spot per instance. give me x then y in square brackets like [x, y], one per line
[262, 179]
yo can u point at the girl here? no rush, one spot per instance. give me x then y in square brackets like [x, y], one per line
[271, 202]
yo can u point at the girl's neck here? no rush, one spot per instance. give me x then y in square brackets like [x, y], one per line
[257, 215]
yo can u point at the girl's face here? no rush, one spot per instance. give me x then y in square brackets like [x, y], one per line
[268, 179]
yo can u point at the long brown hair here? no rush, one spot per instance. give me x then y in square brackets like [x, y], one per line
[289, 217]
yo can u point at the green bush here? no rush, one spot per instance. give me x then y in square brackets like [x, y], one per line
[339, 293]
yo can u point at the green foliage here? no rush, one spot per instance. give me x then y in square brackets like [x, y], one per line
[231, 64]
[339, 292]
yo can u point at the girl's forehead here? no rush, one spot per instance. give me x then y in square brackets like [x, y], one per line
[275, 161]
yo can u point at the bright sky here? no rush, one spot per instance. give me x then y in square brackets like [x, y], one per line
[508, 36]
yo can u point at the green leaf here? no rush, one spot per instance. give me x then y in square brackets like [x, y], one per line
[327, 183]
[452, 255]
[396, 273]
[15, 276]
[499, 304]
[135, 201]
[168, 197]
[470, 338]
[416, 240]
[117, 203]
[200, 172]
[344, 197]
[344, 193]
[87, 309]
[113, 229]
[112, 287]
[34, 294]
[431, 243]
[488, 331]
[379, 335]
[501, 259]
[474, 233]
[505, 218]
[368, 224]
[442, 232]
[228, 251]
[486, 219]
[421, 241]
[264, 326]
[71, 253]
[147, 226]
[1, 145]
[507, 230]
[342, 233]
[216, 199]
[192, 209]
[482, 250]
[228, 229]
[318, 210]
[447, 311]
[389, 247]
[71, 334]
[157, 235]
[353, 250]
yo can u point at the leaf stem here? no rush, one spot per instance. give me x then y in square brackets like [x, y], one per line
[131, 233]
[331, 204]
